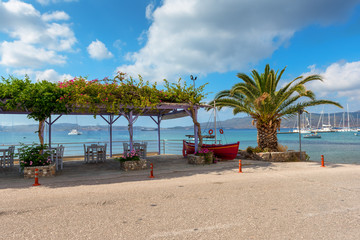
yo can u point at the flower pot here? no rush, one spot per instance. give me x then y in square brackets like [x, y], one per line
[43, 171]
[133, 165]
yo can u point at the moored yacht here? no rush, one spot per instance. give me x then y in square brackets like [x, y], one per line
[74, 132]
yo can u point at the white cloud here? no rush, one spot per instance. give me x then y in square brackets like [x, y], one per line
[149, 11]
[55, 16]
[36, 41]
[341, 79]
[98, 50]
[118, 44]
[52, 76]
[49, 75]
[47, 2]
[194, 36]
[19, 54]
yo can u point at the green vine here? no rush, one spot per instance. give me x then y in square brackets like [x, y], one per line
[120, 94]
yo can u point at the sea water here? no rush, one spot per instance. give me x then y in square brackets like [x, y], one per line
[337, 147]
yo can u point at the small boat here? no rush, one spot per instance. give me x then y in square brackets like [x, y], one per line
[74, 132]
[313, 135]
[223, 151]
[357, 134]
[148, 129]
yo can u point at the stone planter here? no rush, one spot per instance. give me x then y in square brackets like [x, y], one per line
[44, 171]
[290, 156]
[133, 165]
[200, 160]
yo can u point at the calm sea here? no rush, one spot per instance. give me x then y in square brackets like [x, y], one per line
[339, 147]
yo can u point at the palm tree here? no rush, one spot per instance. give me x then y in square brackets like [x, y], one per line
[259, 97]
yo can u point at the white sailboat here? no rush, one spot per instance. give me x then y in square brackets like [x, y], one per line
[324, 127]
[306, 128]
[346, 129]
[75, 131]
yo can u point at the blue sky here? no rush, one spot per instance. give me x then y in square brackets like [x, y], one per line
[211, 39]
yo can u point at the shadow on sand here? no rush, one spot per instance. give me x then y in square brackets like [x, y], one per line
[77, 173]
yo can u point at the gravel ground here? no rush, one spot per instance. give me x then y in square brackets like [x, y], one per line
[266, 201]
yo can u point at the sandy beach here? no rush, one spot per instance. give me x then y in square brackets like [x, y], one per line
[266, 201]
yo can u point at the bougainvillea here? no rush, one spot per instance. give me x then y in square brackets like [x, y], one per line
[123, 94]
[120, 94]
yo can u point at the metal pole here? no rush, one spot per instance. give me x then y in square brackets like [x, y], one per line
[215, 121]
[50, 123]
[195, 131]
[299, 113]
[158, 129]
[111, 141]
[193, 79]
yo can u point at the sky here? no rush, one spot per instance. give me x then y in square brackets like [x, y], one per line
[214, 40]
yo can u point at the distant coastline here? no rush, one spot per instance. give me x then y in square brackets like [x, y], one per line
[233, 123]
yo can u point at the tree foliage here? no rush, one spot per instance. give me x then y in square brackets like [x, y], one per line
[258, 95]
[40, 99]
[120, 94]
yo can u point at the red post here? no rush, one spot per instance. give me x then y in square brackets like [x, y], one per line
[322, 161]
[36, 178]
[240, 171]
[152, 171]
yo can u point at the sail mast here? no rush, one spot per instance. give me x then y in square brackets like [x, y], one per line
[215, 121]
[347, 106]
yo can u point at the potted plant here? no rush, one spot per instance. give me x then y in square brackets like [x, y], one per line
[203, 156]
[132, 161]
[35, 156]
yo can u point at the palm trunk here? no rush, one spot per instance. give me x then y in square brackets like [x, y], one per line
[267, 137]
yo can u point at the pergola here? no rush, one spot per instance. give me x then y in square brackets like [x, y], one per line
[163, 111]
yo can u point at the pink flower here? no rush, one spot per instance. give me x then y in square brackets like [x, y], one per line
[31, 163]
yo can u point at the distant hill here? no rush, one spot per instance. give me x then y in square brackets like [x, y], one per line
[316, 120]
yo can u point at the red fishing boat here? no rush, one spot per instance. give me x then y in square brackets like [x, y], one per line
[223, 151]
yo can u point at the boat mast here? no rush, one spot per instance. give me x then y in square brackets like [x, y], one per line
[215, 121]
[347, 106]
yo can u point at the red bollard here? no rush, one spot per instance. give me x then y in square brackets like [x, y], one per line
[322, 161]
[152, 171]
[36, 178]
[240, 171]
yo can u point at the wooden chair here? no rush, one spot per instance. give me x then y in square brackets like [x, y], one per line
[86, 154]
[57, 157]
[7, 158]
[101, 153]
[126, 148]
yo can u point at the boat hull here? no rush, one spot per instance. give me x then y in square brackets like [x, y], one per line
[312, 136]
[226, 152]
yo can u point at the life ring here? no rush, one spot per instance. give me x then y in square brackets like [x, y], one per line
[211, 131]
[221, 131]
